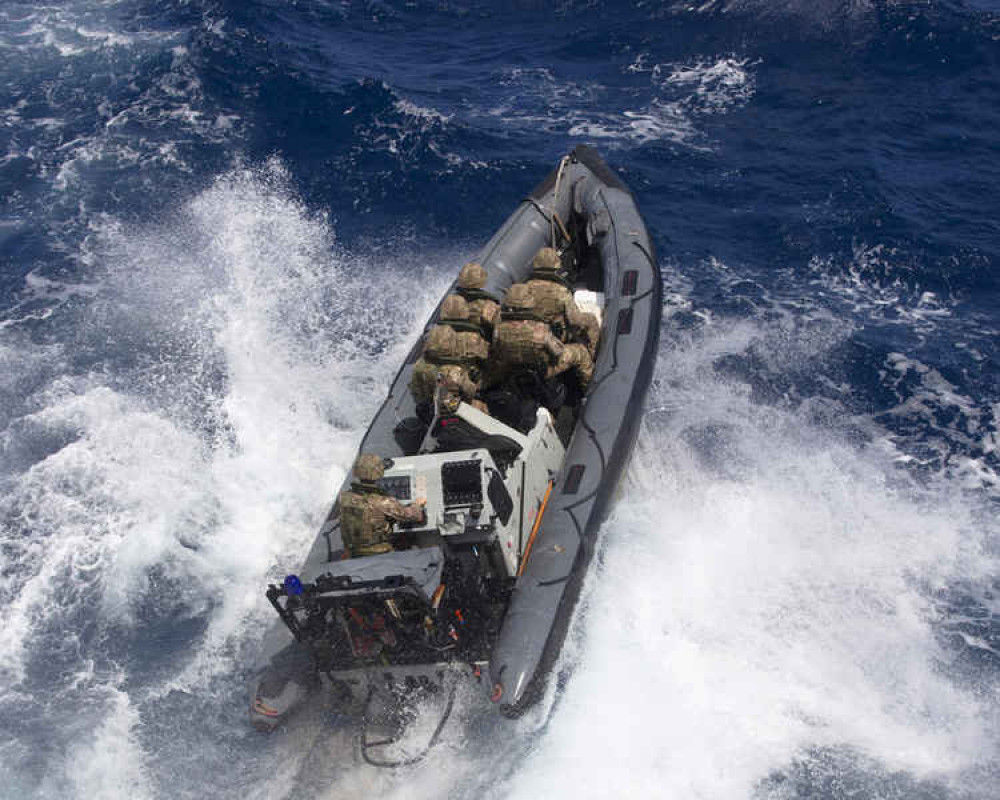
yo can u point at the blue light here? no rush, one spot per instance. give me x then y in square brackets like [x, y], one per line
[293, 585]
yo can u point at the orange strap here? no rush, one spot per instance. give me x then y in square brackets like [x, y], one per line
[534, 529]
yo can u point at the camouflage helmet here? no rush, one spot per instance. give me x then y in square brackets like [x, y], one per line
[442, 342]
[369, 468]
[454, 307]
[546, 259]
[472, 276]
[519, 296]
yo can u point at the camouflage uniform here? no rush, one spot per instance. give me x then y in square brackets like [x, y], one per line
[524, 339]
[483, 309]
[367, 513]
[555, 304]
[453, 357]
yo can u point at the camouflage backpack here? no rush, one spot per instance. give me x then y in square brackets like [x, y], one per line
[442, 343]
[364, 527]
[523, 342]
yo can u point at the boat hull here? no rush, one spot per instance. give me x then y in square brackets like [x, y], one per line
[583, 189]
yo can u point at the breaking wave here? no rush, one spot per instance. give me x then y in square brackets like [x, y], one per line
[222, 366]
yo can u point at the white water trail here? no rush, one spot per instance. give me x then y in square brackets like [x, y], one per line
[765, 598]
[764, 592]
[239, 354]
[767, 595]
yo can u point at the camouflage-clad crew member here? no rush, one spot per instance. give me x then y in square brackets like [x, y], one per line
[453, 358]
[484, 310]
[367, 513]
[555, 303]
[523, 338]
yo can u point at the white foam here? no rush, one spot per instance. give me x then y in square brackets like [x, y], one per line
[751, 609]
[655, 122]
[109, 763]
[76, 31]
[183, 477]
[295, 325]
[717, 84]
[45, 37]
[740, 623]
[411, 109]
[416, 128]
[874, 285]
[934, 398]
[877, 287]
[743, 615]
[668, 109]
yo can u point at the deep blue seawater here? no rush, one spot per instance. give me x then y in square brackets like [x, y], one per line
[223, 223]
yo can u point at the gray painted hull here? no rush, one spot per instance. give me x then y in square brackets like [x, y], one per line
[546, 592]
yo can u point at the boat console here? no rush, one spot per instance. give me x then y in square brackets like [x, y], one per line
[495, 519]
[465, 554]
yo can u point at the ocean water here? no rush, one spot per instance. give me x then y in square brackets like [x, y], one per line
[223, 223]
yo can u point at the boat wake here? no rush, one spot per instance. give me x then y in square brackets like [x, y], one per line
[773, 598]
[771, 607]
[774, 608]
[175, 442]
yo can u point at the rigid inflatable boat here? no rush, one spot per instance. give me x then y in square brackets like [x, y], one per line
[486, 585]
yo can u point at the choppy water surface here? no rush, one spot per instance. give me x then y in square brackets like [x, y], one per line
[224, 223]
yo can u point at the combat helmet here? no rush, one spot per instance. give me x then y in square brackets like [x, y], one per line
[369, 468]
[472, 276]
[547, 259]
[519, 297]
[454, 307]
